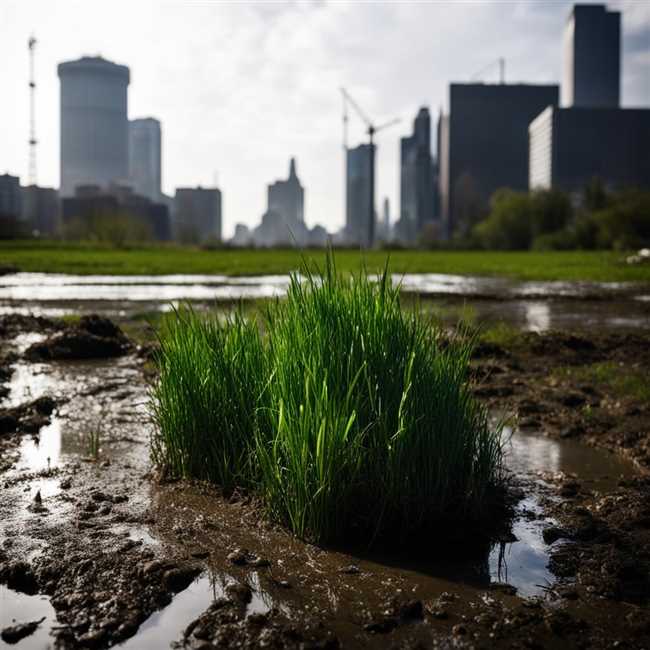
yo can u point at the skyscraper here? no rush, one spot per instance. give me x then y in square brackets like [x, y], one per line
[283, 223]
[592, 58]
[197, 214]
[11, 199]
[483, 146]
[571, 146]
[416, 178]
[358, 195]
[145, 157]
[41, 209]
[287, 197]
[94, 125]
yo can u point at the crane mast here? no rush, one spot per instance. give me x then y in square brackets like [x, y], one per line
[32, 170]
[371, 130]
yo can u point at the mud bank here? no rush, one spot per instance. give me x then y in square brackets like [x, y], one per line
[124, 558]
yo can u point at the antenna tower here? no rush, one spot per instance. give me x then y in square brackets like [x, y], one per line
[31, 43]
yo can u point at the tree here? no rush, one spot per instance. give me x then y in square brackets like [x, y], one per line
[509, 226]
[551, 211]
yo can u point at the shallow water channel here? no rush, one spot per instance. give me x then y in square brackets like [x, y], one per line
[535, 306]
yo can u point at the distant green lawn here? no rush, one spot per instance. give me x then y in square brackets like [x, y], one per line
[86, 259]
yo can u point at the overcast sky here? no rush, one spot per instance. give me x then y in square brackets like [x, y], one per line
[241, 87]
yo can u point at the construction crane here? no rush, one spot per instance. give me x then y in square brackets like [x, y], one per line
[502, 70]
[372, 130]
[31, 44]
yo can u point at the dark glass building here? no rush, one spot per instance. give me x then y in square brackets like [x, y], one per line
[358, 231]
[483, 146]
[571, 146]
[592, 57]
[416, 179]
[197, 214]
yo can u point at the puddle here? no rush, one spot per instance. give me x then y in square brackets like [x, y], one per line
[524, 563]
[23, 340]
[22, 608]
[29, 382]
[532, 453]
[162, 628]
[43, 452]
[141, 535]
[534, 306]
[56, 286]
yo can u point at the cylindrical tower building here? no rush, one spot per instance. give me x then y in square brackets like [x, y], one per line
[94, 124]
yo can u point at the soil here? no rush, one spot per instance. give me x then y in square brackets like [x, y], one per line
[534, 378]
[93, 527]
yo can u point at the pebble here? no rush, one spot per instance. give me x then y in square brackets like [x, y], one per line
[350, 569]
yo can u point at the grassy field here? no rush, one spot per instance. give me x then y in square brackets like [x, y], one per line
[86, 259]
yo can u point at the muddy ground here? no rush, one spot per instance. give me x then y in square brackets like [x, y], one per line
[124, 557]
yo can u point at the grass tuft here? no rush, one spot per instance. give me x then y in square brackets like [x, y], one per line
[348, 415]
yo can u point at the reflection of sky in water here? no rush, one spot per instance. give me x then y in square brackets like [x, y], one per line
[22, 341]
[162, 627]
[538, 316]
[523, 563]
[532, 453]
[21, 608]
[43, 286]
[42, 452]
[522, 304]
[29, 382]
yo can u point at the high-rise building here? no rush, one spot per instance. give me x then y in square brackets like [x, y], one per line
[571, 146]
[283, 223]
[145, 157]
[287, 198]
[358, 196]
[416, 178]
[483, 146]
[592, 57]
[41, 209]
[11, 200]
[94, 125]
[92, 202]
[197, 214]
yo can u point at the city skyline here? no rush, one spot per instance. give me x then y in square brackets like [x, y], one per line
[272, 91]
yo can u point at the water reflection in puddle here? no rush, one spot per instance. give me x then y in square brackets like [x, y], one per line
[161, 629]
[29, 382]
[532, 453]
[21, 608]
[42, 452]
[524, 563]
[534, 306]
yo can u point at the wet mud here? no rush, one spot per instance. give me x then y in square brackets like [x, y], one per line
[96, 550]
